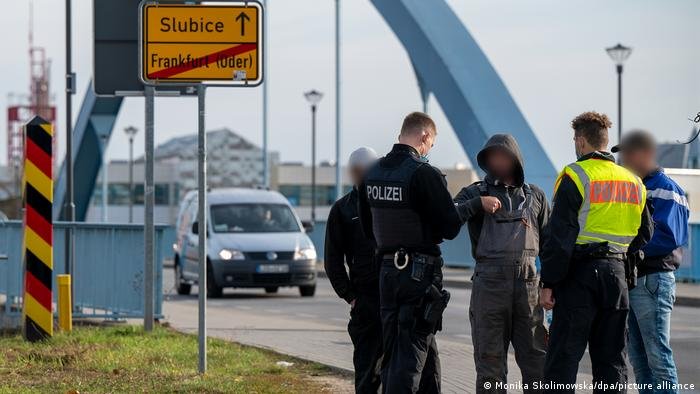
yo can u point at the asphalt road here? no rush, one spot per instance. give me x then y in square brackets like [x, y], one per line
[326, 310]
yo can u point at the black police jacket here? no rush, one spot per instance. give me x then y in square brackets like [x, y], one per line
[346, 245]
[428, 197]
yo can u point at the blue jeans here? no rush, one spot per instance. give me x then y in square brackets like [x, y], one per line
[649, 321]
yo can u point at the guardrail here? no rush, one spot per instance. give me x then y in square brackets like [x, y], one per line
[108, 277]
[457, 252]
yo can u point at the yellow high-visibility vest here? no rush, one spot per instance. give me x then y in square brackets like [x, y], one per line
[613, 202]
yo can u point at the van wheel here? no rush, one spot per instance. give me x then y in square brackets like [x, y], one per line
[181, 287]
[271, 290]
[307, 291]
[213, 291]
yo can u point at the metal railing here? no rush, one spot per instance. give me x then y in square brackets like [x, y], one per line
[108, 277]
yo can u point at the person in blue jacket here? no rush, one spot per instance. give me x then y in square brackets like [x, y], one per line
[651, 301]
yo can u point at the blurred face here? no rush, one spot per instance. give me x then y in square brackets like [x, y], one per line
[639, 161]
[357, 173]
[500, 163]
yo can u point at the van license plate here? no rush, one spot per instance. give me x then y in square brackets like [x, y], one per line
[273, 268]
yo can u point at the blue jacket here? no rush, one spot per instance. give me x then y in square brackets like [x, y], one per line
[670, 214]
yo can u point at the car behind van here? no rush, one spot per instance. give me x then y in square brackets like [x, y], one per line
[255, 240]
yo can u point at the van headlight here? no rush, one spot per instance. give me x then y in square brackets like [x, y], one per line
[305, 254]
[231, 254]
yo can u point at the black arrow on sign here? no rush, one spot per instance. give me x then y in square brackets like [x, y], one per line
[243, 18]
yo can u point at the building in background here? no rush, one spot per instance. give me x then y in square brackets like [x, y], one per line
[232, 161]
[167, 193]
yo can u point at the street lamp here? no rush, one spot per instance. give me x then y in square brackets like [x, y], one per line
[619, 53]
[313, 97]
[105, 163]
[131, 133]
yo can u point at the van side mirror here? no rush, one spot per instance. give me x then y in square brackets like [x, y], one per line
[195, 228]
[308, 225]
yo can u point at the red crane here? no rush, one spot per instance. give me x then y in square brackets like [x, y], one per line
[38, 102]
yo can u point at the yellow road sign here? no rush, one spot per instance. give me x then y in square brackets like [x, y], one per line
[214, 43]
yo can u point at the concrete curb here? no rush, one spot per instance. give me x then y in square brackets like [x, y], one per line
[693, 302]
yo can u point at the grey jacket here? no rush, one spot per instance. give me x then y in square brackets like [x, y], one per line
[469, 198]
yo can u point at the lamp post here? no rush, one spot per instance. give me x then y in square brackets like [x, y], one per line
[338, 180]
[619, 53]
[313, 97]
[105, 163]
[131, 133]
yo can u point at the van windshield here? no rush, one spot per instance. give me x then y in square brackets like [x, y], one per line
[253, 218]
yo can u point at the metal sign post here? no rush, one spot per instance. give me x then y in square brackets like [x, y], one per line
[69, 263]
[202, 228]
[219, 43]
[148, 220]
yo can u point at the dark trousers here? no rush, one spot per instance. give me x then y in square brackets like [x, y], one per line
[591, 309]
[365, 329]
[411, 363]
[504, 309]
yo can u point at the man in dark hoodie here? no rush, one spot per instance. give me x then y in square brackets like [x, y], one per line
[506, 219]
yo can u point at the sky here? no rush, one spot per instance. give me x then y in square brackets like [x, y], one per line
[549, 53]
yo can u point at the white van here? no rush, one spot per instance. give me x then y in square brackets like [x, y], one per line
[255, 239]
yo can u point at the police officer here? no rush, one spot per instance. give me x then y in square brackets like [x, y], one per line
[346, 244]
[406, 207]
[507, 219]
[598, 216]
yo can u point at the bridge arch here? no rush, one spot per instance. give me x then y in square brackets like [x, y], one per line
[449, 63]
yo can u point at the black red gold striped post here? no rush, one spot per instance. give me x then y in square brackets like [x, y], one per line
[38, 230]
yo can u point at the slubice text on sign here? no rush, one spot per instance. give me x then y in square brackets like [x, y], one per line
[193, 43]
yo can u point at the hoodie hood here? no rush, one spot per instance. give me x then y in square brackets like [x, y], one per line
[507, 143]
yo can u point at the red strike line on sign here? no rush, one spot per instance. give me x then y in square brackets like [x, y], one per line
[202, 61]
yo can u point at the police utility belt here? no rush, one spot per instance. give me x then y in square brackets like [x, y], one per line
[599, 250]
[420, 262]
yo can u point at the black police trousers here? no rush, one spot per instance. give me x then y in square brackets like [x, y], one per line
[365, 329]
[590, 308]
[411, 363]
